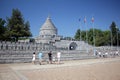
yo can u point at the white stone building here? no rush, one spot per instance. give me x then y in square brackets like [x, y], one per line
[48, 34]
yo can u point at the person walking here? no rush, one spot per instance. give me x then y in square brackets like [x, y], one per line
[33, 58]
[40, 56]
[58, 57]
[50, 57]
[53, 59]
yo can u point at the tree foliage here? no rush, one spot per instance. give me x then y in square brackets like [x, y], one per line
[114, 30]
[102, 38]
[16, 26]
[77, 36]
[27, 29]
[2, 29]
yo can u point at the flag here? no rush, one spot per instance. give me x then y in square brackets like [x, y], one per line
[85, 20]
[92, 19]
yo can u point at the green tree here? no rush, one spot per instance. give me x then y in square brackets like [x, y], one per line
[16, 26]
[119, 37]
[102, 38]
[80, 33]
[2, 29]
[106, 37]
[98, 35]
[27, 29]
[90, 36]
[83, 35]
[77, 35]
[113, 30]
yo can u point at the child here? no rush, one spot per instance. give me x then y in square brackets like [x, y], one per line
[33, 58]
[40, 55]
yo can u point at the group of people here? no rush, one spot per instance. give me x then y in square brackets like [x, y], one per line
[107, 54]
[50, 57]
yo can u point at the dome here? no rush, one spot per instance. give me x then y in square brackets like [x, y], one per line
[48, 28]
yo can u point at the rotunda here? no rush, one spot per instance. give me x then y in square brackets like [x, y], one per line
[48, 28]
[48, 32]
[48, 35]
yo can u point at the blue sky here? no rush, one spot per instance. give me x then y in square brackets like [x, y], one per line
[64, 13]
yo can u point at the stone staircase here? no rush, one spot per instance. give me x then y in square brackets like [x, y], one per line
[15, 56]
[75, 55]
[26, 56]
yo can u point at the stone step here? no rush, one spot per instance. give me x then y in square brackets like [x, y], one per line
[26, 56]
[29, 59]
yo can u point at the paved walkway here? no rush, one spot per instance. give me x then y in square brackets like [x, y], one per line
[12, 71]
[6, 73]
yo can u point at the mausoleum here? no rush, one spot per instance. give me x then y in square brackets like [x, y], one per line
[47, 40]
[48, 34]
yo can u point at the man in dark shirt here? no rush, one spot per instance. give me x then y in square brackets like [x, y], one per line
[50, 57]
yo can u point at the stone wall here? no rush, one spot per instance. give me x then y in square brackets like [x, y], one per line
[20, 52]
[12, 52]
[17, 52]
[21, 46]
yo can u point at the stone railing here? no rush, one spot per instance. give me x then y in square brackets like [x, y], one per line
[12, 52]
[18, 46]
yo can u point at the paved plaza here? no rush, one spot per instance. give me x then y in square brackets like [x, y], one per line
[91, 69]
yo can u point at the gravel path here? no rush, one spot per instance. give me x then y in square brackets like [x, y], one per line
[91, 69]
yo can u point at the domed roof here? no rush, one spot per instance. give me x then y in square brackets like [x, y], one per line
[48, 28]
[48, 24]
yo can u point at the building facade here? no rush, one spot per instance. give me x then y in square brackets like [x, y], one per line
[48, 34]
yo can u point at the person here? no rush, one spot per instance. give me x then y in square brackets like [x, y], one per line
[33, 58]
[50, 57]
[106, 54]
[40, 55]
[99, 54]
[117, 53]
[58, 57]
[53, 59]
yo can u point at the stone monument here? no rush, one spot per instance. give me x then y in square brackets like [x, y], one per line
[47, 40]
[48, 34]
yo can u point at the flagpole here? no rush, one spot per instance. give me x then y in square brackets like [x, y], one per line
[93, 36]
[80, 33]
[86, 35]
[111, 40]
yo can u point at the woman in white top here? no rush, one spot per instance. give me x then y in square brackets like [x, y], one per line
[58, 57]
[33, 58]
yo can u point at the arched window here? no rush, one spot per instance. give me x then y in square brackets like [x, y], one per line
[73, 46]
